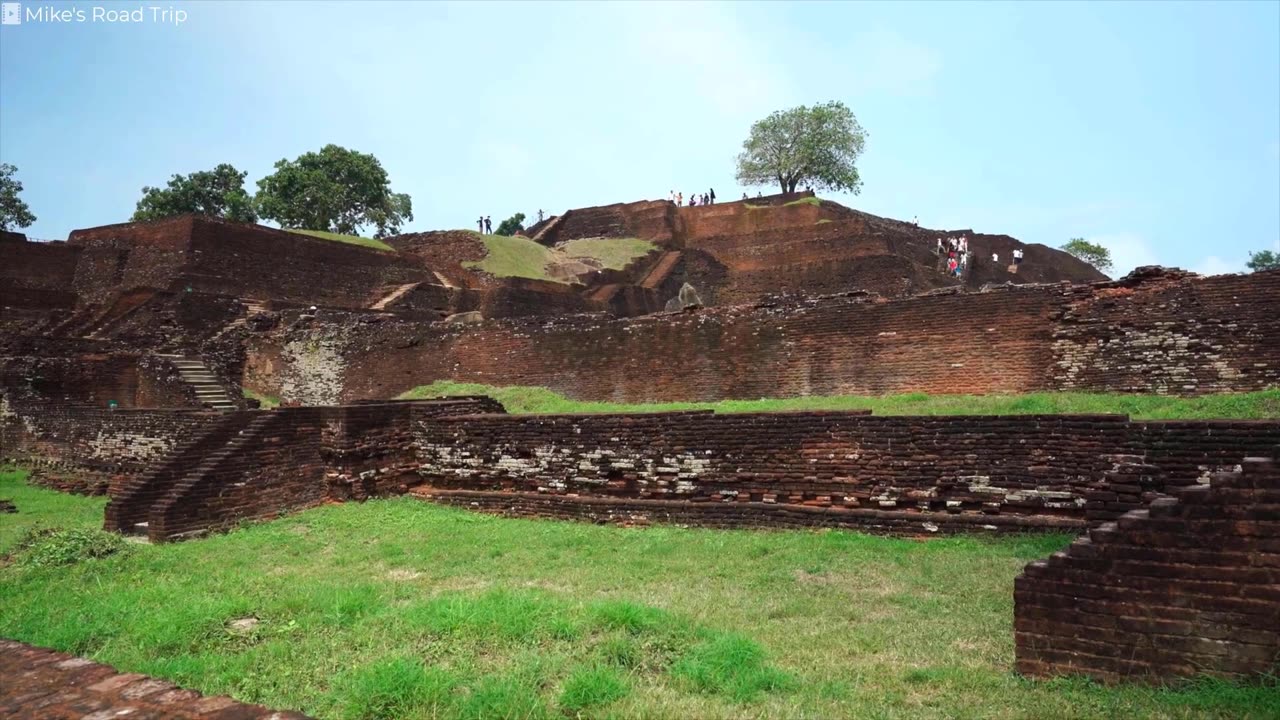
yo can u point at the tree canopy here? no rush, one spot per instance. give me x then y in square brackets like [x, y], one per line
[334, 190]
[1092, 253]
[217, 193]
[14, 213]
[816, 146]
[1263, 260]
[511, 225]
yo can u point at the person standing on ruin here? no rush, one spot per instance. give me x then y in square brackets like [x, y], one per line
[480, 224]
[488, 225]
[995, 258]
[539, 214]
[679, 199]
[1017, 258]
[712, 195]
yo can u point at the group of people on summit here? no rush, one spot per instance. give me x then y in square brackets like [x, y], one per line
[958, 256]
[706, 198]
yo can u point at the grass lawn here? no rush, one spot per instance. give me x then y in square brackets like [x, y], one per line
[1256, 405]
[511, 256]
[521, 257]
[350, 239]
[615, 253]
[400, 609]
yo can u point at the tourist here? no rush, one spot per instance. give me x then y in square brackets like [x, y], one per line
[480, 223]
[995, 258]
[939, 247]
[1017, 256]
[488, 225]
[758, 194]
[744, 196]
[539, 215]
[679, 199]
[915, 221]
[712, 195]
[693, 201]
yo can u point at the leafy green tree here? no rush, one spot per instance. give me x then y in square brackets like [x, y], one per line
[217, 193]
[14, 213]
[1092, 253]
[511, 225]
[817, 146]
[334, 190]
[1263, 260]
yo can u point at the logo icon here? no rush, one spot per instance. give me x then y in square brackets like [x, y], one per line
[10, 13]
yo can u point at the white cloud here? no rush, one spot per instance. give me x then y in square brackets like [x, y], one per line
[1214, 265]
[1128, 251]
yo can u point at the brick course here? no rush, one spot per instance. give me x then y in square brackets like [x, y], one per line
[1188, 586]
[42, 684]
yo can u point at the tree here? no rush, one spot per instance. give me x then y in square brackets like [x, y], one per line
[335, 190]
[816, 146]
[1092, 253]
[14, 213]
[511, 225]
[217, 193]
[1263, 260]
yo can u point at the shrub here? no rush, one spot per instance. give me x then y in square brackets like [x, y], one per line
[49, 547]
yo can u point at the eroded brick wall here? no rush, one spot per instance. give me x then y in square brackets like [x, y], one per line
[1189, 586]
[914, 474]
[1171, 335]
[1009, 340]
[86, 450]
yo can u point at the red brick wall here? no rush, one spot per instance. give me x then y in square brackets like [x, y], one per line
[1189, 586]
[1009, 340]
[944, 472]
[36, 275]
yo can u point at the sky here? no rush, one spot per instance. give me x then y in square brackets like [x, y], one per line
[1152, 128]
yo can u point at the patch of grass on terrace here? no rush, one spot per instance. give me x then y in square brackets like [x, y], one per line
[513, 257]
[615, 253]
[349, 239]
[266, 402]
[402, 609]
[38, 507]
[1255, 405]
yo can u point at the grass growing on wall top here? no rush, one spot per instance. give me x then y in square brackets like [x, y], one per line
[1254, 406]
[805, 201]
[266, 402]
[511, 256]
[402, 609]
[615, 253]
[516, 256]
[349, 239]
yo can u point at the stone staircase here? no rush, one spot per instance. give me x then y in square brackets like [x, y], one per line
[550, 226]
[208, 390]
[390, 297]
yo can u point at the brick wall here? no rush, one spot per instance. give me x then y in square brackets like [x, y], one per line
[1010, 340]
[1189, 586]
[1171, 335]
[915, 474]
[85, 450]
[35, 275]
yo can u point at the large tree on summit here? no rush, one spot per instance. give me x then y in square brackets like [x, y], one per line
[217, 193]
[335, 190]
[816, 146]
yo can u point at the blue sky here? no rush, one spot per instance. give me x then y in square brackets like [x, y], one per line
[1151, 127]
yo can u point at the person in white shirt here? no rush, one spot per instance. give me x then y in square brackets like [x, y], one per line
[1017, 256]
[995, 258]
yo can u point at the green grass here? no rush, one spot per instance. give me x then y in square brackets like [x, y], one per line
[349, 239]
[615, 253]
[402, 609]
[522, 257]
[266, 402]
[513, 257]
[1255, 405]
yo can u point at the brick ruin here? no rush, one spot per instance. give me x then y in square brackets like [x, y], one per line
[124, 351]
[1156, 332]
